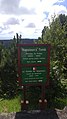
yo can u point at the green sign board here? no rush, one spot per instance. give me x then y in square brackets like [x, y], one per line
[35, 74]
[34, 55]
[33, 63]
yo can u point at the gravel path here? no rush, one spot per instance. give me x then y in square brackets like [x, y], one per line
[47, 114]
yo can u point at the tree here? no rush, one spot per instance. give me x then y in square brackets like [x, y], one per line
[56, 35]
[8, 70]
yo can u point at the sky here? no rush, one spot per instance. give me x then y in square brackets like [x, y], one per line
[28, 17]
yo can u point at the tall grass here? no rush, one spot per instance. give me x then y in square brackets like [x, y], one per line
[12, 105]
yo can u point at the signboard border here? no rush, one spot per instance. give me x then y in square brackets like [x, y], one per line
[21, 65]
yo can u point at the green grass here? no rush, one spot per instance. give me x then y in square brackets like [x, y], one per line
[8, 106]
[58, 103]
[13, 105]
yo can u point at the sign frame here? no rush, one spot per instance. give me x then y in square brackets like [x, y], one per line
[36, 65]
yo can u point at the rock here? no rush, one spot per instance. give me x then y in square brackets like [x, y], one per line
[65, 109]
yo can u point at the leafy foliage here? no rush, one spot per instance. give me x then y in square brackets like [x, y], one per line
[56, 35]
[8, 70]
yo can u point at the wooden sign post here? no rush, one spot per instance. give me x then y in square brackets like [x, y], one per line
[33, 68]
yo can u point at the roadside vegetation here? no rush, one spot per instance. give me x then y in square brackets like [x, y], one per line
[56, 93]
[10, 105]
